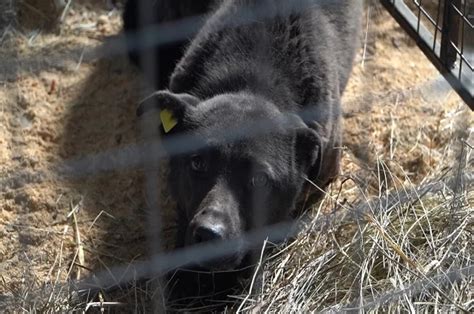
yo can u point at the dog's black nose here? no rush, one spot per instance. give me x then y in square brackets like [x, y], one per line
[207, 233]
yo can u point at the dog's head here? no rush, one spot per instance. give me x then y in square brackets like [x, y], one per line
[236, 163]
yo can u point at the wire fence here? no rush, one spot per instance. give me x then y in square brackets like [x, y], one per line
[451, 49]
[444, 31]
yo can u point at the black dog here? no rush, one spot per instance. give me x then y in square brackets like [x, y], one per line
[258, 90]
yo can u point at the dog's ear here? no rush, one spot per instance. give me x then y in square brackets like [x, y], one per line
[308, 149]
[172, 107]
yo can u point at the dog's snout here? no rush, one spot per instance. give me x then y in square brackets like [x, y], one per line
[208, 225]
[207, 233]
[213, 222]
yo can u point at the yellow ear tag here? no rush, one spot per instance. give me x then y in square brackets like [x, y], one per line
[167, 119]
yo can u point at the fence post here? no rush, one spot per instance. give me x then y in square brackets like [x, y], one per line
[450, 33]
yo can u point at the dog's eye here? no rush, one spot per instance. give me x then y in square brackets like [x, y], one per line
[198, 164]
[260, 179]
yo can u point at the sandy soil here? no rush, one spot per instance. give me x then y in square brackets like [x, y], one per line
[59, 104]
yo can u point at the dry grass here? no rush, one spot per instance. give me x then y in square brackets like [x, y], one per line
[407, 250]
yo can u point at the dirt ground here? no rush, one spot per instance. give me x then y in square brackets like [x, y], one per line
[60, 104]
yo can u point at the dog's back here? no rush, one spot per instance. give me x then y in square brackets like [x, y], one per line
[286, 37]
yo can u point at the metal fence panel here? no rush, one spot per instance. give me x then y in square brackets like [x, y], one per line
[444, 31]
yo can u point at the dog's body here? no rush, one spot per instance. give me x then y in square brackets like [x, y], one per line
[275, 69]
